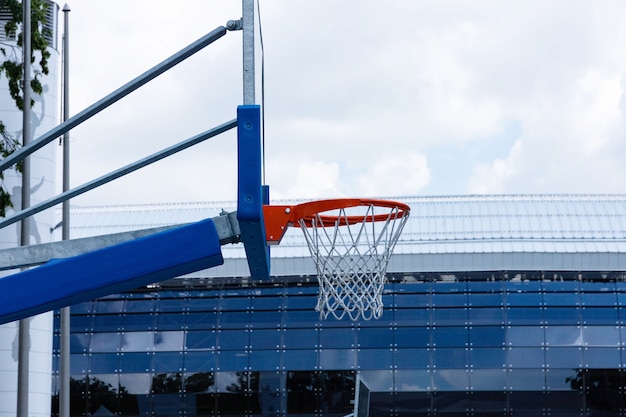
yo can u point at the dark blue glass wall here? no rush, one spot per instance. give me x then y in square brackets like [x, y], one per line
[450, 347]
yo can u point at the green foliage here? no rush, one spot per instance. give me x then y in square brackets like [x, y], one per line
[13, 69]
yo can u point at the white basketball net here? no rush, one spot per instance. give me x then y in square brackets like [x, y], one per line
[351, 260]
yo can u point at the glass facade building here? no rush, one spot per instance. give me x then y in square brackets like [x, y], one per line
[473, 341]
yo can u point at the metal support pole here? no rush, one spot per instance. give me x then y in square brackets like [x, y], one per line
[24, 324]
[247, 7]
[64, 351]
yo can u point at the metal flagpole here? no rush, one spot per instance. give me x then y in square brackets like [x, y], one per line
[24, 324]
[64, 351]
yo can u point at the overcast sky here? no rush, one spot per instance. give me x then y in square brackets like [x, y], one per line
[362, 98]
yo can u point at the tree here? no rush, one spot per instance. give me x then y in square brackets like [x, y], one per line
[12, 67]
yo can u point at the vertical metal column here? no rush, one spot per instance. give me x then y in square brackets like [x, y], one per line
[248, 51]
[24, 324]
[64, 351]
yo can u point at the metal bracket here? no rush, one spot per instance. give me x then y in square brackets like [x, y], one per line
[234, 24]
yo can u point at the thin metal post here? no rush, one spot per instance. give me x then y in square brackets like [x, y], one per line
[24, 324]
[64, 348]
[247, 7]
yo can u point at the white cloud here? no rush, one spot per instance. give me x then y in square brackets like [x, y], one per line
[394, 175]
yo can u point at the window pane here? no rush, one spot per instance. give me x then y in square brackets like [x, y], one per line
[488, 379]
[450, 336]
[168, 341]
[79, 343]
[560, 315]
[295, 360]
[136, 383]
[564, 357]
[445, 358]
[104, 363]
[449, 316]
[450, 380]
[598, 315]
[137, 341]
[265, 360]
[374, 337]
[375, 359]
[199, 361]
[561, 299]
[411, 337]
[230, 360]
[487, 336]
[602, 357]
[167, 362]
[529, 316]
[601, 335]
[488, 358]
[524, 336]
[301, 339]
[337, 338]
[337, 358]
[135, 362]
[563, 379]
[201, 340]
[412, 358]
[266, 339]
[525, 357]
[482, 316]
[526, 379]
[232, 339]
[564, 336]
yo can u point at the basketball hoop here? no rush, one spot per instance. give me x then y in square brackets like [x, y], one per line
[351, 241]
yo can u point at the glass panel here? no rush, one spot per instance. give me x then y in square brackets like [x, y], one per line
[407, 317]
[483, 316]
[449, 316]
[596, 299]
[487, 336]
[564, 336]
[135, 383]
[602, 357]
[488, 357]
[524, 336]
[563, 379]
[201, 340]
[486, 300]
[523, 299]
[78, 343]
[140, 306]
[300, 359]
[412, 301]
[449, 300]
[198, 321]
[266, 319]
[561, 299]
[199, 382]
[202, 304]
[199, 361]
[235, 304]
[232, 340]
[488, 379]
[337, 338]
[168, 341]
[82, 308]
[174, 305]
[135, 362]
[137, 341]
[266, 339]
[412, 358]
[301, 339]
[375, 358]
[337, 359]
[105, 322]
[166, 383]
[598, 315]
[517, 316]
[411, 337]
[234, 320]
[138, 321]
[104, 363]
[450, 379]
[167, 362]
[269, 394]
[450, 358]
[382, 380]
[525, 357]
[265, 360]
[526, 379]
[103, 306]
[601, 335]
[301, 396]
[232, 360]
[407, 381]
[374, 337]
[267, 303]
[79, 364]
[304, 318]
[559, 315]
[450, 336]
[564, 357]
[170, 321]
[81, 324]
[527, 404]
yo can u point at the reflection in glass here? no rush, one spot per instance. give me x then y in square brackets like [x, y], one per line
[405, 381]
[450, 380]
[564, 336]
